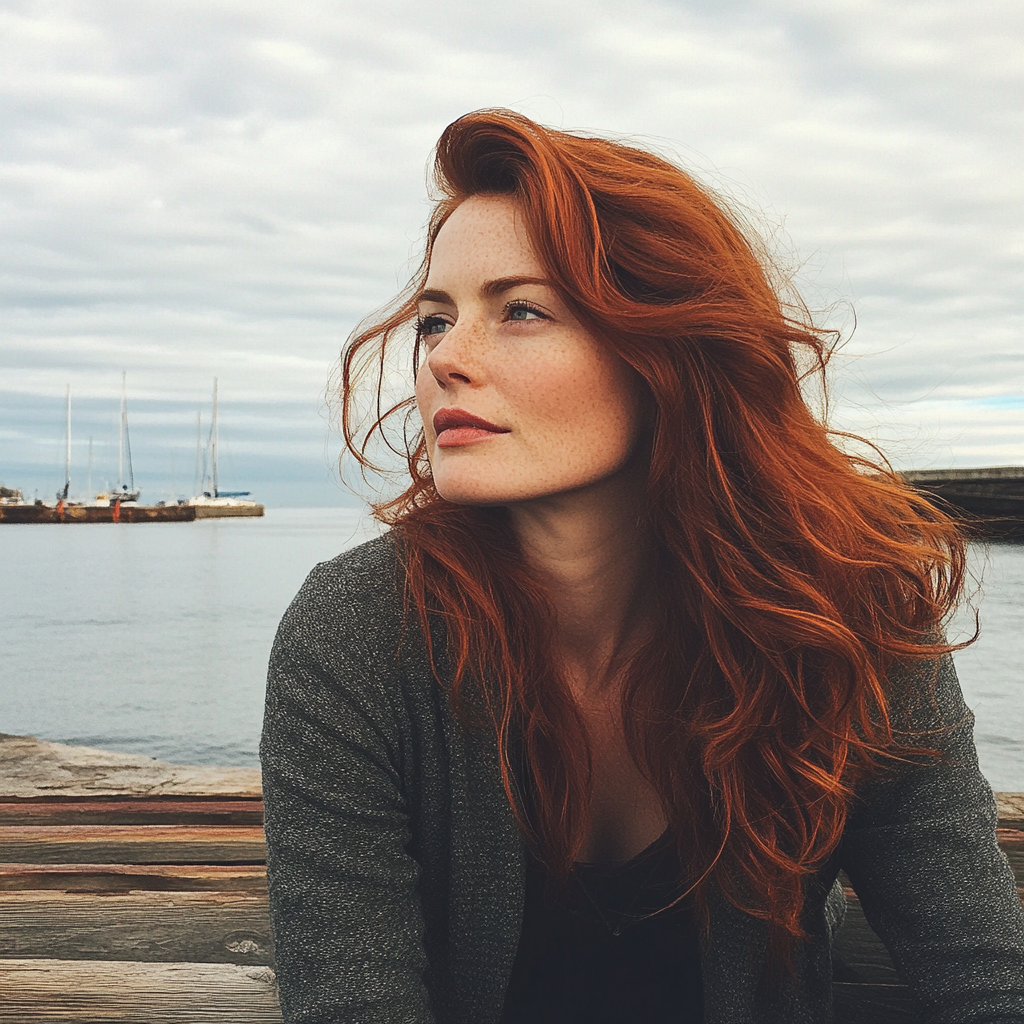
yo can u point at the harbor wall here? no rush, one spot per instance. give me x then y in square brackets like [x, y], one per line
[989, 500]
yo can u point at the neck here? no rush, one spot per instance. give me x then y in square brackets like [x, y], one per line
[593, 555]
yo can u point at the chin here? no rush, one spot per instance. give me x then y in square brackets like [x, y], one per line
[482, 482]
[474, 493]
[462, 489]
[466, 482]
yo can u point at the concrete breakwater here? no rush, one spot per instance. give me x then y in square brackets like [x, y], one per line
[991, 499]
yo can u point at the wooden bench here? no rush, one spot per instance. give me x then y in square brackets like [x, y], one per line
[135, 891]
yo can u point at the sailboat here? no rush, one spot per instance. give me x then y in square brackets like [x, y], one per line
[125, 491]
[210, 501]
[62, 495]
[118, 505]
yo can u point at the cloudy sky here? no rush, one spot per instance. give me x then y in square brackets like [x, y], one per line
[201, 188]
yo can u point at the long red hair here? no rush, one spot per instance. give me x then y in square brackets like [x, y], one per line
[792, 574]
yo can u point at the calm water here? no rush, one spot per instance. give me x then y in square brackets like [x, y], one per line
[154, 638]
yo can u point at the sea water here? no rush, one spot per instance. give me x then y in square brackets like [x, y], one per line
[154, 637]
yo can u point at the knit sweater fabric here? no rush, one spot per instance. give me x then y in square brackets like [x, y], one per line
[397, 872]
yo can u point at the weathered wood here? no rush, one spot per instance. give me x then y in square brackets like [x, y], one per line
[132, 844]
[134, 877]
[124, 856]
[858, 953]
[105, 811]
[1011, 841]
[169, 927]
[31, 769]
[91, 992]
[1011, 810]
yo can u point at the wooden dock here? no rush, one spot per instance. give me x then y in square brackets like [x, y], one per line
[124, 513]
[130, 890]
[115, 513]
[133, 890]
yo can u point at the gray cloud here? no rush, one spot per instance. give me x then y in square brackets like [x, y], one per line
[190, 189]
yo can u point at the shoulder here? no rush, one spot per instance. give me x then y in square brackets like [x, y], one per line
[345, 637]
[363, 575]
[924, 697]
[354, 599]
[348, 662]
[935, 765]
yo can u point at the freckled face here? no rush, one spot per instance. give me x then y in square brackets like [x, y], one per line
[518, 400]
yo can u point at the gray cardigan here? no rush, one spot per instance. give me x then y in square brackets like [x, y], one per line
[396, 870]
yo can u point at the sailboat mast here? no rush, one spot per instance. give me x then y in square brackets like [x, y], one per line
[199, 454]
[128, 452]
[120, 434]
[88, 482]
[213, 441]
[67, 442]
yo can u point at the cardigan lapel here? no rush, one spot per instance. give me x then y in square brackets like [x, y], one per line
[488, 878]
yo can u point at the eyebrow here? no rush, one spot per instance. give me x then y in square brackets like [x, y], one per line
[490, 289]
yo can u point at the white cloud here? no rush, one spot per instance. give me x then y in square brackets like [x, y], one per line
[190, 189]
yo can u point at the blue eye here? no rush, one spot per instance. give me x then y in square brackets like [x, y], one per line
[430, 326]
[523, 311]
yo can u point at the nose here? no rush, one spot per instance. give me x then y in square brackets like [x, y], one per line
[450, 360]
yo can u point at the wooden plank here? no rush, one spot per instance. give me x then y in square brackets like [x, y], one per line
[132, 844]
[31, 769]
[169, 927]
[1011, 841]
[134, 877]
[1011, 810]
[84, 992]
[858, 954]
[105, 811]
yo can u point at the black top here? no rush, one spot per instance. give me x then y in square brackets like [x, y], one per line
[590, 954]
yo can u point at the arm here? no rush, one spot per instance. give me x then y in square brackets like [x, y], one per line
[921, 851]
[346, 916]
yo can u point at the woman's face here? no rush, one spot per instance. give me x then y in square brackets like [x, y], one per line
[518, 400]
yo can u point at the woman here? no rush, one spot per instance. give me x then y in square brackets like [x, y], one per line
[644, 659]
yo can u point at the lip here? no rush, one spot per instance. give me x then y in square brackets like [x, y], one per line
[456, 427]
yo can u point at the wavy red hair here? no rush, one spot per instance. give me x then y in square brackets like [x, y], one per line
[792, 574]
